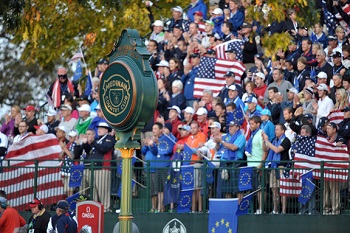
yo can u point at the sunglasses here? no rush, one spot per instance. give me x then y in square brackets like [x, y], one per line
[62, 76]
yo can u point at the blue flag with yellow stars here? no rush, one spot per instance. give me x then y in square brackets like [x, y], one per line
[185, 202]
[78, 72]
[307, 189]
[186, 155]
[187, 173]
[243, 207]
[76, 175]
[245, 178]
[222, 215]
[172, 187]
[71, 201]
[165, 145]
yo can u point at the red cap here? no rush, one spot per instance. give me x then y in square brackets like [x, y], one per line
[29, 108]
[34, 203]
[199, 13]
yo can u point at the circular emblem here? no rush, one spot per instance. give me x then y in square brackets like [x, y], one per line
[118, 94]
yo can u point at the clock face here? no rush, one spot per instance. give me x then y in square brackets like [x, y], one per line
[118, 94]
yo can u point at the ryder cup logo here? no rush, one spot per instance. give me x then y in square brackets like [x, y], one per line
[174, 226]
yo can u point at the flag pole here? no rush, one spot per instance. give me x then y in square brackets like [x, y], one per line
[83, 57]
[139, 183]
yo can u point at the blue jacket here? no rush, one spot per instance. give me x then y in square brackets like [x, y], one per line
[269, 128]
[65, 224]
[200, 6]
[188, 81]
[94, 123]
[150, 153]
[218, 21]
[237, 20]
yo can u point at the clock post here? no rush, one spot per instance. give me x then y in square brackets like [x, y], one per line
[128, 97]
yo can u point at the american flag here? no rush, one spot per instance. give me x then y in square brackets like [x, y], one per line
[232, 44]
[335, 161]
[76, 57]
[343, 23]
[20, 179]
[336, 116]
[211, 74]
[289, 186]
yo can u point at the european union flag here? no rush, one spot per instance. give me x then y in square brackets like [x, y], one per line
[172, 187]
[245, 178]
[165, 145]
[186, 155]
[187, 173]
[210, 169]
[222, 215]
[76, 175]
[243, 207]
[120, 165]
[88, 85]
[308, 187]
[78, 72]
[185, 202]
[71, 201]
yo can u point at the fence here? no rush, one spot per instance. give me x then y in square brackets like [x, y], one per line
[278, 189]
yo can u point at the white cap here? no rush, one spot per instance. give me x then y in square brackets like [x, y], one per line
[103, 125]
[98, 107]
[158, 23]
[43, 127]
[323, 87]
[95, 80]
[189, 110]
[61, 127]
[260, 75]
[85, 107]
[215, 124]
[218, 11]
[293, 89]
[232, 87]
[163, 63]
[176, 108]
[177, 8]
[73, 133]
[322, 75]
[66, 107]
[51, 112]
[201, 111]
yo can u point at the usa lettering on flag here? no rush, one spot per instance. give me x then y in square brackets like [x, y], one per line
[336, 116]
[20, 177]
[211, 73]
[232, 44]
[335, 161]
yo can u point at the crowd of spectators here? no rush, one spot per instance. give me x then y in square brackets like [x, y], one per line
[281, 98]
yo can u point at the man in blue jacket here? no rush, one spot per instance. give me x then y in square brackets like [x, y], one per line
[197, 5]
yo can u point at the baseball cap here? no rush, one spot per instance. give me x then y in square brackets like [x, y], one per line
[246, 25]
[61, 127]
[201, 111]
[199, 13]
[265, 112]
[169, 126]
[63, 204]
[218, 11]
[346, 109]
[103, 124]
[178, 26]
[163, 63]
[83, 97]
[292, 89]
[3, 200]
[176, 108]
[185, 127]
[322, 75]
[336, 54]
[209, 22]
[177, 8]
[323, 87]
[29, 108]
[308, 115]
[66, 107]
[229, 74]
[252, 99]
[215, 124]
[98, 107]
[260, 75]
[35, 203]
[234, 123]
[158, 23]
[331, 37]
[85, 107]
[42, 127]
[73, 133]
[51, 112]
[231, 51]
[309, 90]
[189, 110]
[102, 61]
[195, 55]
[232, 87]
[259, 56]
[333, 125]
[323, 121]
[211, 51]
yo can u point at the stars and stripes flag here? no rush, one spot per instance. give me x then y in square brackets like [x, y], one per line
[336, 116]
[21, 178]
[333, 157]
[211, 74]
[289, 185]
[235, 44]
[77, 56]
[343, 23]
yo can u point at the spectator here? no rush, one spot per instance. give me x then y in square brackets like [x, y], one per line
[37, 223]
[301, 75]
[235, 17]
[84, 119]
[152, 47]
[188, 115]
[177, 98]
[206, 102]
[266, 124]
[69, 100]
[197, 5]
[41, 130]
[202, 120]
[337, 85]
[318, 35]
[30, 118]
[325, 104]
[96, 120]
[51, 123]
[344, 126]
[176, 18]
[23, 132]
[61, 87]
[157, 33]
[67, 120]
[176, 71]
[62, 222]
[174, 119]
[102, 65]
[162, 70]
[188, 78]
[331, 48]
[323, 65]
[260, 87]
[10, 219]
[8, 126]
[280, 83]
[337, 64]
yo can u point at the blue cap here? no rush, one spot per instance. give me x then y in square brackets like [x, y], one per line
[265, 112]
[308, 115]
[63, 204]
[185, 127]
[234, 123]
[3, 200]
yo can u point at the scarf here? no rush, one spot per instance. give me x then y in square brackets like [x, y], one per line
[249, 145]
[56, 92]
[82, 125]
[273, 158]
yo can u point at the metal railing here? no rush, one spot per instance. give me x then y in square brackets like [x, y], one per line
[278, 192]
